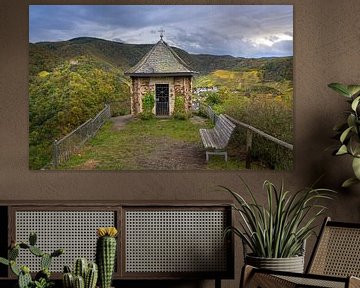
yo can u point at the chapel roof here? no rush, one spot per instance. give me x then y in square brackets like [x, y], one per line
[161, 60]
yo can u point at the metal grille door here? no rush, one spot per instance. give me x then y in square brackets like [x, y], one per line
[162, 99]
[168, 241]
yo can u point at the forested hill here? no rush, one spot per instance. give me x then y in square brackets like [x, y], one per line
[45, 56]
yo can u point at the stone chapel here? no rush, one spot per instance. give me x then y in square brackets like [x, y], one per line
[162, 72]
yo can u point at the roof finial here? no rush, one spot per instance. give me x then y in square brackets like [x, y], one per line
[161, 33]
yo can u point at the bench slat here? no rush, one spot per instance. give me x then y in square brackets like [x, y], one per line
[219, 136]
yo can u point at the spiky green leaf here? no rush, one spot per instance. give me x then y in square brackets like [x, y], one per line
[340, 88]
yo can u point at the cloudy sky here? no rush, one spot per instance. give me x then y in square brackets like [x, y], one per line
[237, 30]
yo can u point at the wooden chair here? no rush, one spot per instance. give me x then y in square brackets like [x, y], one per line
[335, 262]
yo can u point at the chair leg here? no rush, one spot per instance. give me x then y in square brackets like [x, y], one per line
[250, 278]
[246, 274]
[354, 282]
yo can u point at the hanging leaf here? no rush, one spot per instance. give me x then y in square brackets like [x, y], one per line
[353, 89]
[355, 103]
[340, 88]
[342, 150]
[351, 120]
[356, 167]
[345, 134]
[349, 182]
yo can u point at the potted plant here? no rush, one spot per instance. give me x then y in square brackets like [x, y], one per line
[106, 254]
[349, 132]
[84, 274]
[42, 278]
[276, 233]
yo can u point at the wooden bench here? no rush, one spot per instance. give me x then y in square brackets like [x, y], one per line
[216, 139]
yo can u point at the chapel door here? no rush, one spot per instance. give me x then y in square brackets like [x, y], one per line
[162, 99]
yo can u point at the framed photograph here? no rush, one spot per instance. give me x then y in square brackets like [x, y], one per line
[160, 87]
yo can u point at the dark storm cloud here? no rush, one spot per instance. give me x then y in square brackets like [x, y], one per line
[238, 30]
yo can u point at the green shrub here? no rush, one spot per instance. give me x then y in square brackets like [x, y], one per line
[213, 98]
[179, 108]
[273, 116]
[148, 102]
[146, 115]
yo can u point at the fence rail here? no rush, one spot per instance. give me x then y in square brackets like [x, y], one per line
[70, 144]
[250, 132]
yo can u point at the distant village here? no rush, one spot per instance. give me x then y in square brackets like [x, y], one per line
[200, 90]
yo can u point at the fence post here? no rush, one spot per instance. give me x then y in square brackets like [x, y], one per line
[249, 137]
[55, 154]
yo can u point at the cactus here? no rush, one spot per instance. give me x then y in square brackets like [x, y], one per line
[36, 251]
[91, 276]
[43, 274]
[23, 273]
[68, 280]
[45, 261]
[24, 280]
[80, 267]
[88, 273]
[13, 253]
[32, 238]
[79, 282]
[14, 268]
[4, 261]
[105, 254]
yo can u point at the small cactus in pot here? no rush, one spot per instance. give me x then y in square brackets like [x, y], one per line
[42, 278]
[85, 275]
[106, 254]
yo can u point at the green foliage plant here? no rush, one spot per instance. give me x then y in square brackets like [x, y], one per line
[42, 278]
[279, 229]
[148, 103]
[349, 132]
[179, 108]
[213, 98]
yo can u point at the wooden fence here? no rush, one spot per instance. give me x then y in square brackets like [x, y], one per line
[250, 132]
[68, 145]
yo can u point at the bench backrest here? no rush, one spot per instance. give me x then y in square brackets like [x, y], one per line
[337, 252]
[224, 127]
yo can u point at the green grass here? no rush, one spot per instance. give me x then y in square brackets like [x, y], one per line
[114, 149]
[131, 147]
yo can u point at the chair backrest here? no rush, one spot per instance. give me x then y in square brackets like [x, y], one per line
[337, 251]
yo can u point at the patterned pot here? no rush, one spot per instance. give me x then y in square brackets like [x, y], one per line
[291, 264]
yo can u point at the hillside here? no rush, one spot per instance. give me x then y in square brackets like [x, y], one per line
[47, 55]
[69, 82]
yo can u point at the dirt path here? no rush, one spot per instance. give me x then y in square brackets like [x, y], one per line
[168, 153]
[119, 122]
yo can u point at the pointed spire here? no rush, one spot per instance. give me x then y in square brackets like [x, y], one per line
[162, 31]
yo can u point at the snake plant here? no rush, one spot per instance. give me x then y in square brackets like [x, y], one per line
[279, 228]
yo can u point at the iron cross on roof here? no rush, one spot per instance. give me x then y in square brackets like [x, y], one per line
[161, 33]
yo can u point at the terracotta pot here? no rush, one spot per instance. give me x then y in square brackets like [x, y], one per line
[291, 264]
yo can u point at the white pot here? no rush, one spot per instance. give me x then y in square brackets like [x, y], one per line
[291, 264]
